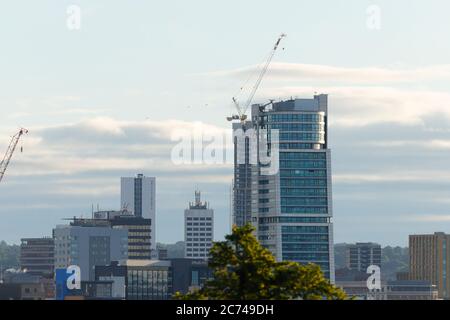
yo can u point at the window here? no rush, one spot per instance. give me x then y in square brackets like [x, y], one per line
[194, 276]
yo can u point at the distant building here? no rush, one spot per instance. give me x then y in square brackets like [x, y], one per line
[37, 256]
[138, 279]
[390, 290]
[139, 230]
[152, 279]
[189, 274]
[198, 229]
[402, 276]
[96, 290]
[139, 236]
[88, 246]
[363, 254]
[429, 256]
[360, 291]
[411, 290]
[345, 274]
[290, 203]
[138, 195]
[19, 285]
[162, 253]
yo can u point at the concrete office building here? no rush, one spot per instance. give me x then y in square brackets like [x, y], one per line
[429, 259]
[138, 279]
[88, 246]
[289, 201]
[37, 256]
[411, 290]
[198, 229]
[153, 279]
[361, 255]
[390, 290]
[138, 195]
[139, 230]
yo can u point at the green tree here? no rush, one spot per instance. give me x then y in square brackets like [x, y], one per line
[245, 270]
[9, 255]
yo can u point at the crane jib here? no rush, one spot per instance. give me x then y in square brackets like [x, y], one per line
[10, 151]
[242, 110]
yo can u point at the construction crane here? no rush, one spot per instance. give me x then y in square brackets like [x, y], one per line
[10, 151]
[242, 110]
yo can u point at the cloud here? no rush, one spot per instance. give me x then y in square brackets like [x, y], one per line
[362, 106]
[331, 74]
[357, 96]
[108, 144]
[429, 218]
[392, 176]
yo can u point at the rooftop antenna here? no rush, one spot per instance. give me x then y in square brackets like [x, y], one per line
[197, 197]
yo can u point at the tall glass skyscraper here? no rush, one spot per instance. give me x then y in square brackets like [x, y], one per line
[291, 207]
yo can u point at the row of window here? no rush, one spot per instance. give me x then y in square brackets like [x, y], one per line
[306, 256]
[302, 155]
[301, 136]
[303, 182]
[199, 234]
[296, 117]
[303, 192]
[199, 218]
[304, 201]
[295, 145]
[293, 220]
[298, 126]
[305, 247]
[304, 229]
[303, 164]
[304, 238]
[199, 224]
[197, 249]
[303, 173]
[198, 229]
[302, 210]
[199, 239]
[199, 244]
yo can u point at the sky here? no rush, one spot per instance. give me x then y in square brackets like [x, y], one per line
[105, 100]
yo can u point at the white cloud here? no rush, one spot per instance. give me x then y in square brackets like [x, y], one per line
[365, 75]
[361, 106]
[357, 96]
[392, 176]
[101, 144]
[429, 218]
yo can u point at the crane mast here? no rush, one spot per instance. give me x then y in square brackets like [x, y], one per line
[10, 151]
[243, 110]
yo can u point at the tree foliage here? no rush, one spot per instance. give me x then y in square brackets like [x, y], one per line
[245, 270]
[9, 255]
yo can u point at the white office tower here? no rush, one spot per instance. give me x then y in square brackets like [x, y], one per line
[198, 229]
[282, 180]
[137, 195]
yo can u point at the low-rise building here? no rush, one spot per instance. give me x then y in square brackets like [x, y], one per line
[37, 256]
[153, 279]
